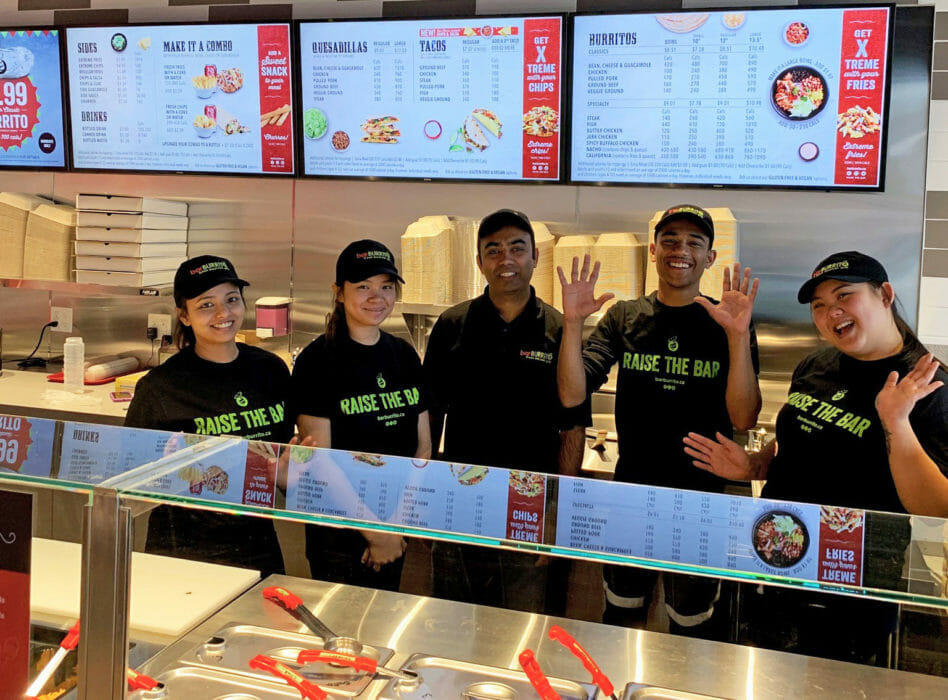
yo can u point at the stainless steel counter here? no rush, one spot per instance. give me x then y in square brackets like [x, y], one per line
[411, 624]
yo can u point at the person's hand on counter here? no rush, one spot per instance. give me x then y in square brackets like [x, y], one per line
[384, 548]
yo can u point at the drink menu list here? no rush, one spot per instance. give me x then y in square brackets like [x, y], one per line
[31, 99]
[203, 98]
[784, 98]
[464, 98]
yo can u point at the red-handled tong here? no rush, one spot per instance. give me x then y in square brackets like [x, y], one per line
[307, 689]
[139, 681]
[541, 684]
[70, 642]
[294, 605]
[560, 635]
[359, 663]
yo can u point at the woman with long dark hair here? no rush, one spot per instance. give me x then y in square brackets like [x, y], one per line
[865, 426]
[355, 360]
[214, 385]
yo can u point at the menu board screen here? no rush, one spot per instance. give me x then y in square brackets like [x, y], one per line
[778, 98]
[472, 99]
[31, 99]
[204, 98]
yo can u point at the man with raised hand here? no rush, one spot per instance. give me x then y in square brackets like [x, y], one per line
[684, 360]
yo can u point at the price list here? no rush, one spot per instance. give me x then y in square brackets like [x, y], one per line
[209, 98]
[400, 491]
[685, 527]
[721, 98]
[430, 99]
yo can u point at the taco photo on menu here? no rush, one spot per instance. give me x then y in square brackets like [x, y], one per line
[467, 474]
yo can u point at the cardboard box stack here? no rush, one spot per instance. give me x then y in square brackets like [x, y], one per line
[130, 241]
[622, 261]
[15, 208]
[47, 246]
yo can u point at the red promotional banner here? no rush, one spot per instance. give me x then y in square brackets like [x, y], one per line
[861, 89]
[16, 530]
[260, 475]
[541, 97]
[841, 545]
[15, 441]
[276, 121]
[526, 501]
[19, 110]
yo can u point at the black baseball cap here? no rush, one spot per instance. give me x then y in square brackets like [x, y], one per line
[689, 212]
[363, 259]
[492, 223]
[197, 275]
[848, 266]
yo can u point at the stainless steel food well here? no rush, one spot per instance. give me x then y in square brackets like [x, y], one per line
[207, 684]
[231, 648]
[643, 691]
[447, 679]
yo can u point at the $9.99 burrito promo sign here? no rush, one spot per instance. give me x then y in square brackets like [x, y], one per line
[31, 99]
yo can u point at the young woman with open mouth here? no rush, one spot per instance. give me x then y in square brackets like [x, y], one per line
[865, 426]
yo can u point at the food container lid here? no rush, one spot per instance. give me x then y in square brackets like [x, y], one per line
[273, 301]
[22, 200]
[60, 213]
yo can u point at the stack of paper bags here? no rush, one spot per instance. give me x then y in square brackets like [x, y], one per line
[48, 244]
[622, 266]
[567, 248]
[14, 212]
[467, 281]
[725, 242]
[130, 241]
[426, 260]
[544, 272]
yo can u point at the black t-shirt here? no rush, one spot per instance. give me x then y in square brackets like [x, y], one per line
[371, 394]
[830, 444]
[673, 368]
[496, 382]
[245, 397]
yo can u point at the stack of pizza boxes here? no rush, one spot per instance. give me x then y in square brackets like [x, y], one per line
[725, 242]
[129, 241]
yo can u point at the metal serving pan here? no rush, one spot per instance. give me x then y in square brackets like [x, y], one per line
[447, 679]
[231, 648]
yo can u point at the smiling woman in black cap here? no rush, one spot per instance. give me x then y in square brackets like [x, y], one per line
[865, 426]
[356, 361]
[214, 386]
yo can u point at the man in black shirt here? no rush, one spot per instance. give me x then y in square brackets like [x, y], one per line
[491, 370]
[684, 360]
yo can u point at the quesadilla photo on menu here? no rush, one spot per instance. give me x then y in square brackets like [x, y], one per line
[380, 130]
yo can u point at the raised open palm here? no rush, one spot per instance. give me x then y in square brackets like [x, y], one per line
[579, 300]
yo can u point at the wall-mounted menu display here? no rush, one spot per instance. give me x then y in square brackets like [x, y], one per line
[473, 99]
[778, 98]
[31, 99]
[202, 98]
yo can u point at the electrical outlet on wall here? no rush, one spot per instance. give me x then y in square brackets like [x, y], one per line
[63, 315]
[161, 322]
